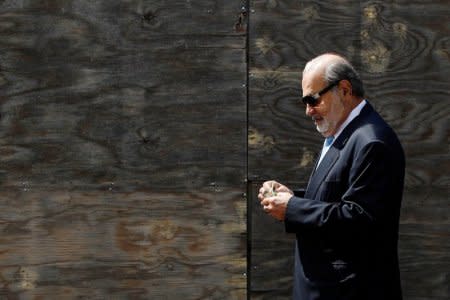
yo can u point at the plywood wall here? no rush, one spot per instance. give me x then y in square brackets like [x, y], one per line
[402, 51]
[134, 135]
[122, 150]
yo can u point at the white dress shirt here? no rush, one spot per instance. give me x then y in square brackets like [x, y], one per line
[353, 114]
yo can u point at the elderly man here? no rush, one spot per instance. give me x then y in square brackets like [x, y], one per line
[346, 222]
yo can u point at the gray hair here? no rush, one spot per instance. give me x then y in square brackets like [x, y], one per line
[341, 70]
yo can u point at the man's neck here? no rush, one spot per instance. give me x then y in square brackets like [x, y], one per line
[351, 115]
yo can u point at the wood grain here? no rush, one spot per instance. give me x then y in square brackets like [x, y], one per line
[122, 150]
[123, 140]
[405, 67]
[271, 253]
[62, 243]
[128, 115]
[283, 143]
[283, 36]
[405, 62]
[401, 50]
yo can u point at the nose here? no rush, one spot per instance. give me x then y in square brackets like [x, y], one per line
[309, 110]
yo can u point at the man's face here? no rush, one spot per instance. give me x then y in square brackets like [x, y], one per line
[330, 112]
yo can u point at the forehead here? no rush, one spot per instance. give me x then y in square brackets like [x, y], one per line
[312, 82]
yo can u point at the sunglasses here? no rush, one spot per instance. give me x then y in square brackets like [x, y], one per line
[313, 100]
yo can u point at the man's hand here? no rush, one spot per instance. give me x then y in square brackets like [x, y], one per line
[274, 198]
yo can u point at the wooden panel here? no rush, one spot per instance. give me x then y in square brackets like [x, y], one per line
[283, 142]
[405, 62]
[77, 108]
[123, 150]
[271, 249]
[401, 50]
[424, 247]
[405, 59]
[137, 245]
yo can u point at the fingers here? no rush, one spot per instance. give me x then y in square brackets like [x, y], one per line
[276, 206]
[280, 188]
[266, 202]
[267, 205]
[268, 184]
[272, 195]
[261, 194]
[284, 189]
[271, 188]
[266, 188]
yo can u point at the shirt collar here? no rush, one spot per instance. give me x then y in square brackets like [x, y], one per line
[353, 114]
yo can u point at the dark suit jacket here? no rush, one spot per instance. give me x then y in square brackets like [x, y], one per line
[347, 221]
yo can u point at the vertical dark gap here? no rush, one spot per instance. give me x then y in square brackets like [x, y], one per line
[249, 240]
[248, 191]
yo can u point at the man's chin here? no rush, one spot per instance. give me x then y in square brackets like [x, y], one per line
[322, 131]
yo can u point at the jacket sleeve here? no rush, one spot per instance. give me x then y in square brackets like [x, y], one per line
[299, 192]
[370, 198]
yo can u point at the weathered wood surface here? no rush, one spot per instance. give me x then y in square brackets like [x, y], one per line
[283, 36]
[122, 150]
[282, 140]
[401, 49]
[405, 58]
[271, 258]
[112, 245]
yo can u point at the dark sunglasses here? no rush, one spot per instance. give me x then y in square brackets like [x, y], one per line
[313, 100]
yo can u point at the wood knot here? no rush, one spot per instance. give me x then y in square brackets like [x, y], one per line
[400, 30]
[272, 4]
[265, 44]
[165, 231]
[376, 58]
[307, 158]
[240, 25]
[365, 35]
[146, 139]
[257, 140]
[271, 81]
[149, 17]
[310, 13]
[371, 12]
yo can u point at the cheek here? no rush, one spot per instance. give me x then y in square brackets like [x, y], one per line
[323, 111]
[335, 108]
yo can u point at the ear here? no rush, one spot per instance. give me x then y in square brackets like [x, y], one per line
[346, 87]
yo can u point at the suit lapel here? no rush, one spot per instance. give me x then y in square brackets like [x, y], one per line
[321, 172]
[330, 158]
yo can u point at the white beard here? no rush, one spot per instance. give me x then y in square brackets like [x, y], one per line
[329, 122]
